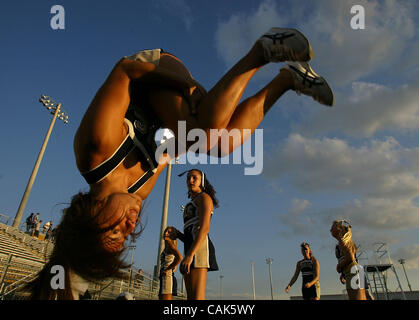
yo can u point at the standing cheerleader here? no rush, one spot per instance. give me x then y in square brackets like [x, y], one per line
[199, 250]
[310, 270]
[347, 265]
[170, 258]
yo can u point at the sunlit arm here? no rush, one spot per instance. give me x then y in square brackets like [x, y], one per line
[295, 277]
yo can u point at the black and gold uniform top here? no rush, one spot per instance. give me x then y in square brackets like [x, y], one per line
[191, 214]
[307, 270]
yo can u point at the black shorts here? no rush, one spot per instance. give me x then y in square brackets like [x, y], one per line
[312, 292]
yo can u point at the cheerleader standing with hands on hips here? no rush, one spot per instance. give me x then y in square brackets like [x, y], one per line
[199, 255]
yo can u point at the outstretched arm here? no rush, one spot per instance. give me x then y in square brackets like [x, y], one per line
[294, 277]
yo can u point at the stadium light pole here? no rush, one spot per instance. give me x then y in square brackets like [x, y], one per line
[166, 136]
[402, 262]
[253, 279]
[55, 109]
[269, 262]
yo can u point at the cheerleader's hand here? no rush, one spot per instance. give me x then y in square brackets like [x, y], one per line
[186, 264]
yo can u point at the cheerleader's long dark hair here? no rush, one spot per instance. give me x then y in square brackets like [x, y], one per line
[207, 186]
[78, 247]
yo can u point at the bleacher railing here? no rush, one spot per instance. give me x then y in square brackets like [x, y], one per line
[5, 219]
[16, 274]
[16, 271]
[42, 247]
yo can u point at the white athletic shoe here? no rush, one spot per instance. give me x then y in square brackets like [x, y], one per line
[308, 82]
[282, 44]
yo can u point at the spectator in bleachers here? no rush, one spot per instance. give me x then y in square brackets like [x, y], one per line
[37, 228]
[29, 223]
[46, 226]
[48, 234]
[139, 278]
[34, 223]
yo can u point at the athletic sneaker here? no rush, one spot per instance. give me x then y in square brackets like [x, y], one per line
[308, 82]
[282, 44]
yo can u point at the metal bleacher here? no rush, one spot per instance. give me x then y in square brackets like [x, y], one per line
[23, 245]
[22, 256]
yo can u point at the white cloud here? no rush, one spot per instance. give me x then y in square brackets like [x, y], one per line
[380, 168]
[236, 36]
[381, 178]
[342, 54]
[346, 55]
[362, 91]
[410, 254]
[380, 213]
[368, 109]
[386, 48]
[367, 214]
[295, 217]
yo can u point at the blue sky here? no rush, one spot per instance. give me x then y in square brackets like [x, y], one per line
[357, 160]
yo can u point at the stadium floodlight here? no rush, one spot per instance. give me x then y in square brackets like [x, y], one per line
[55, 109]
